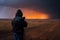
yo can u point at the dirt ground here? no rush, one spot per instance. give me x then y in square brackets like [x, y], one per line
[36, 30]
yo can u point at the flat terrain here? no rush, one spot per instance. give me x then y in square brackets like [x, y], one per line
[36, 30]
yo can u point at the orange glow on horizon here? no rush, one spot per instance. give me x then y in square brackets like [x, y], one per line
[31, 14]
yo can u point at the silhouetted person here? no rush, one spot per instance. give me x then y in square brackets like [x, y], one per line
[18, 24]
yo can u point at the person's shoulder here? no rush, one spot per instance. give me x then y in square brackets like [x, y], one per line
[23, 17]
[20, 18]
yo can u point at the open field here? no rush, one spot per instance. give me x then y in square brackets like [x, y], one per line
[36, 30]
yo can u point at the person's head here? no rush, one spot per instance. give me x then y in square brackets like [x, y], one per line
[19, 13]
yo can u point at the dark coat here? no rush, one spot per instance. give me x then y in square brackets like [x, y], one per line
[18, 24]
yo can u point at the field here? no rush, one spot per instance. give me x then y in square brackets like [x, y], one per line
[36, 30]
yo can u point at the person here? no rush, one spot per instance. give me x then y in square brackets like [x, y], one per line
[19, 24]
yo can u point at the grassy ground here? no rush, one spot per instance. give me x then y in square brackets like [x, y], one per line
[36, 30]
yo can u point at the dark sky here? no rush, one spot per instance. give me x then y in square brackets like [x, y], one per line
[52, 7]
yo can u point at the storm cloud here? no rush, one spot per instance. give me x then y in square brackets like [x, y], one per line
[52, 7]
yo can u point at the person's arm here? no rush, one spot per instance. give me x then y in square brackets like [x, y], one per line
[25, 25]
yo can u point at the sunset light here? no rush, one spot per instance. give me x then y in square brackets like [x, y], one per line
[31, 14]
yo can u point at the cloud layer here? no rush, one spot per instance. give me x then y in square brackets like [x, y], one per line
[52, 7]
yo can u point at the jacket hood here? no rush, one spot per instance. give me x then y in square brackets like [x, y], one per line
[19, 13]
